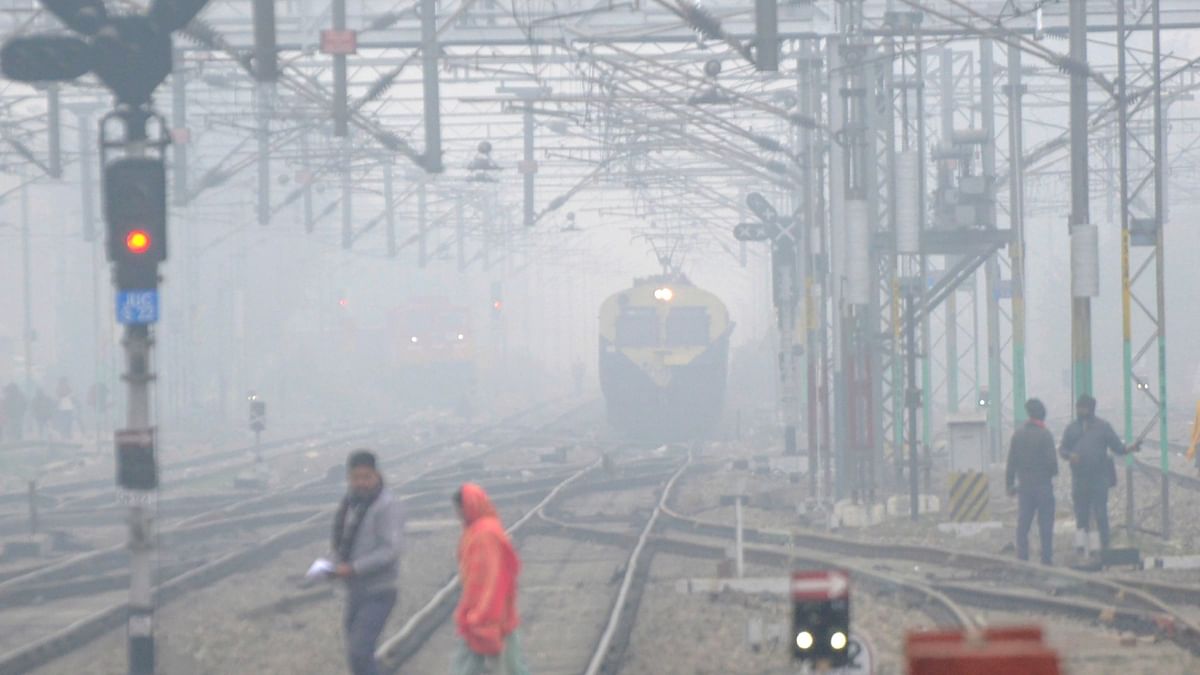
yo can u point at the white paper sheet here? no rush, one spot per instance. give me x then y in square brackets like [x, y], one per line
[319, 569]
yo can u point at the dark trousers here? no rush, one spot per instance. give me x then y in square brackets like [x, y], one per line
[1091, 504]
[366, 615]
[1036, 501]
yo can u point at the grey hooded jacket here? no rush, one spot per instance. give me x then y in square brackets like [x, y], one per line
[375, 555]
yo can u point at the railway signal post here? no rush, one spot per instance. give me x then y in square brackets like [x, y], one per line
[785, 282]
[131, 55]
[821, 618]
[258, 424]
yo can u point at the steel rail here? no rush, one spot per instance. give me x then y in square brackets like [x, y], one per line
[83, 631]
[401, 646]
[601, 654]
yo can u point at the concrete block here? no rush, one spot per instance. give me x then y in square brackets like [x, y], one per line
[901, 505]
[847, 514]
[31, 546]
[1175, 562]
[969, 529]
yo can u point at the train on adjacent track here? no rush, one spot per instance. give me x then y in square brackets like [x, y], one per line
[433, 351]
[664, 352]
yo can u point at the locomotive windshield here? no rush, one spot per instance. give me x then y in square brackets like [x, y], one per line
[637, 327]
[687, 327]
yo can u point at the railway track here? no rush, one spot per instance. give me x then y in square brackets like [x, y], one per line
[613, 649]
[611, 637]
[949, 581]
[56, 495]
[980, 581]
[1141, 607]
[69, 502]
[400, 650]
[1178, 479]
[275, 529]
[194, 509]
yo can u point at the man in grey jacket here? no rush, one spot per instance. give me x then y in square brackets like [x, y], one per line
[366, 543]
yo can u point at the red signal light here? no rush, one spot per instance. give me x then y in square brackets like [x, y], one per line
[497, 305]
[137, 241]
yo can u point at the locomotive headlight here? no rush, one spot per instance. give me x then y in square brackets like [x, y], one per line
[804, 640]
[664, 294]
[838, 641]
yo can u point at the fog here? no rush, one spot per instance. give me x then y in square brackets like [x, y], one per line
[297, 317]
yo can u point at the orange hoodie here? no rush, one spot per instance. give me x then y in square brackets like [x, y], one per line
[488, 568]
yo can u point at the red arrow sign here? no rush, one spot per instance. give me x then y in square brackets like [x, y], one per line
[820, 585]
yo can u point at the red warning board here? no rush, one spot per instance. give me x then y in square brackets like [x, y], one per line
[820, 585]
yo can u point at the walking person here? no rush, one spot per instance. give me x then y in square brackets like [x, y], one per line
[43, 411]
[367, 535]
[65, 417]
[65, 411]
[1086, 443]
[15, 404]
[488, 568]
[1032, 466]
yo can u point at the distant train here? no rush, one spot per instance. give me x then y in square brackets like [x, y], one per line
[432, 351]
[664, 350]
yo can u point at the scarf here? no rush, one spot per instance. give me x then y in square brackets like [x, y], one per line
[349, 518]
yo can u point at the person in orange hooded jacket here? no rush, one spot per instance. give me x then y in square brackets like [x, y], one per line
[487, 608]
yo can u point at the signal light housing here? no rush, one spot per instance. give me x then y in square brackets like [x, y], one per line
[821, 618]
[135, 203]
[135, 211]
[258, 414]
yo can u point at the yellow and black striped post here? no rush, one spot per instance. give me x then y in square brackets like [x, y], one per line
[968, 496]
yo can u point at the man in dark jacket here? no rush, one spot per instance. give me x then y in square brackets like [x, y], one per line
[1030, 474]
[366, 545]
[1086, 444]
